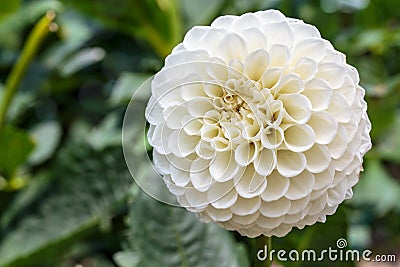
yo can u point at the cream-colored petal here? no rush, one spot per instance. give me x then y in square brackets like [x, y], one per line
[279, 56]
[289, 84]
[297, 108]
[279, 32]
[312, 48]
[246, 206]
[318, 158]
[265, 162]
[289, 163]
[299, 138]
[298, 205]
[319, 93]
[272, 137]
[249, 183]
[255, 64]
[334, 74]
[222, 195]
[224, 167]
[277, 186]
[324, 127]
[300, 186]
[267, 222]
[255, 39]
[324, 179]
[276, 208]
[219, 215]
[232, 46]
[245, 220]
[306, 68]
[246, 153]
[339, 109]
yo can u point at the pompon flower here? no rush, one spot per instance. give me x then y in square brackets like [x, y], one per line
[258, 124]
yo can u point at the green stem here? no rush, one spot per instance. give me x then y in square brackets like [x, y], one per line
[29, 50]
[261, 242]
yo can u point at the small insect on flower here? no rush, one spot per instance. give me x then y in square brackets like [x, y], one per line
[258, 124]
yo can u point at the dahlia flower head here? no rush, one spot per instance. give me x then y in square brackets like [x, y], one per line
[258, 124]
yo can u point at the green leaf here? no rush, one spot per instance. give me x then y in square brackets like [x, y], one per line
[47, 136]
[8, 7]
[107, 133]
[82, 59]
[376, 179]
[86, 189]
[15, 146]
[162, 235]
[126, 86]
[126, 259]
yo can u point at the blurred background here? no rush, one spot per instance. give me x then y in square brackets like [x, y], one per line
[66, 196]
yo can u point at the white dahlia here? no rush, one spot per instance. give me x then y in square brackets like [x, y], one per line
[258, 124]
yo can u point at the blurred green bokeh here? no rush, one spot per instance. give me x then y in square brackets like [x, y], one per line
[66, 195]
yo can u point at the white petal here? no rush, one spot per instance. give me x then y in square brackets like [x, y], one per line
[324, 127]
[219, 215]
[254, 39]
[192, 90]
[339, 109]
[302, 31]
[198, 107]
[200, 176]
[279, 32]
[312, 48]
[299, 138]
[271, 77]
[297, 108]
[245, 153]
[318, 158]
[319, 93]
[255, 64]
[279, 55]
[250, 183]
[246, 206]
[334, 74]
[298, 205]
[272, 137]
[246, 21]
[269, 222]
[289, 84]
[192, 126]
[179, 177]
[224, 22]
[290, 163]
[232, 46]
[196, 199]
[265, 162]
[270, 15]
[337, 194]
[245, 220]
[276, 208]
[224, 167]
[306, 68]
[277, 186]
[300, 186]
[222, 195]
[318, 204]
[160, 139]
[173, 116]
[161, 162]
[204, 150]
[324, 179]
